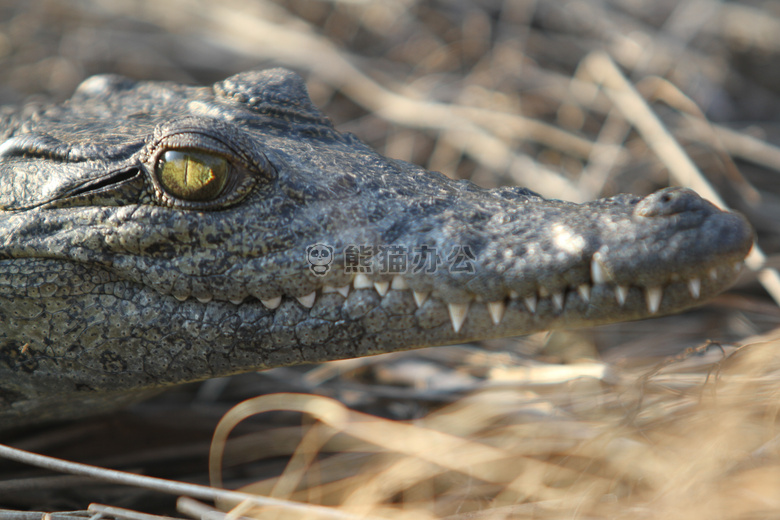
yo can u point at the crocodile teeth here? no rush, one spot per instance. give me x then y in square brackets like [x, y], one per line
[181, 297]
[272, 303]
[204, 299]
[713, 273]
[399, 284]
[584, 291]
[557, 299]
[307, 300]
[344, 291]
[694, 287]
[361, 281]
[420, 297]
[530, 302]
[458, 313]
[496, 310]
[653, 297]
[382, 287]
[236, 301]
[621, 293]
[597, 272]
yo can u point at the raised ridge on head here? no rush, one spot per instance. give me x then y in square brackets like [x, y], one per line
[100, 85]
[275, 92]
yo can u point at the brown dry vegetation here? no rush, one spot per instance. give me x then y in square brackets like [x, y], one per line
[669, 418]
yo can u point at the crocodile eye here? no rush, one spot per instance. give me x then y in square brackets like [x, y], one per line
[193, 176]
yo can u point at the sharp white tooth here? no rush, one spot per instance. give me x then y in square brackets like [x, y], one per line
[361, 281]
[530, 302]
[181, 297]
[496, 310]
[236, 301]
[344, 291]
[399, 284]
[653, 297]
[694, 287]
[272, 303]
[514, 295]
[713, 273]
[420, 297]
[382, 287]
[458, 313]
[621, 293]
[308, 300]
[557, 299]
[584, 291]
[597, 273]
[204, 299]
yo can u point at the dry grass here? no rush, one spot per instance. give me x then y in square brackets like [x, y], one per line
[694, 437]
[574, 99]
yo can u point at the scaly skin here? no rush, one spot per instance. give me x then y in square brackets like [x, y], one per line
[116, 281]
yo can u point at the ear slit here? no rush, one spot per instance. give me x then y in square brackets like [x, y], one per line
[111, 180]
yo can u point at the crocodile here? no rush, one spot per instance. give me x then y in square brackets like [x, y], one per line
[153, 233]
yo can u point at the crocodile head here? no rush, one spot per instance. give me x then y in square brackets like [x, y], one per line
[153, 233]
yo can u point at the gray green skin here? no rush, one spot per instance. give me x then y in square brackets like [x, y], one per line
[112, 287]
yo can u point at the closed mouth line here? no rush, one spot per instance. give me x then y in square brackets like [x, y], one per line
[459, 311]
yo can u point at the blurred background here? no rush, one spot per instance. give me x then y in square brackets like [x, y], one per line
[666, 418]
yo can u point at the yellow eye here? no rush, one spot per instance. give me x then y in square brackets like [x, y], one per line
[191, 175]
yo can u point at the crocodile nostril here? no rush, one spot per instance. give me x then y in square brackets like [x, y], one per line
[670, 201]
